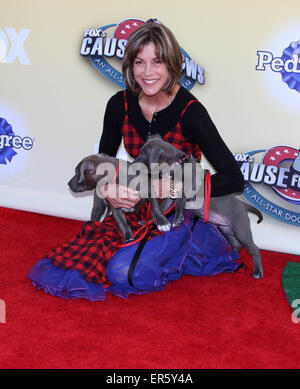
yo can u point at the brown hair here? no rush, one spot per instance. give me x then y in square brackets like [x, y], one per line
[167, 50]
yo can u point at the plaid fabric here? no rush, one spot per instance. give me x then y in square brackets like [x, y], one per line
[90, 251]
[178, 140]
[133, 142]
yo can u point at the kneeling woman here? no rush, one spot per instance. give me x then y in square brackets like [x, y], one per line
[91, 264]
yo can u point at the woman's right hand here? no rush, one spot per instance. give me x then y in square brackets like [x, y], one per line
[120, 196]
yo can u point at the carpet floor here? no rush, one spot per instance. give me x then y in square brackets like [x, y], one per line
[228, 321]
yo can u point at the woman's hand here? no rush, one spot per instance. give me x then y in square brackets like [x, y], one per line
[161, 187]
[120, 196]
[164, 187]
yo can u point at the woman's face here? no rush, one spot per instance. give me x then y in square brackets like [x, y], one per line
[149, 72]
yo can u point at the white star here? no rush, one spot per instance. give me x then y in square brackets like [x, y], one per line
[278, 153]
[123, 32]
[286, 151]
[134, 24]
[128, 27]
[272, 158]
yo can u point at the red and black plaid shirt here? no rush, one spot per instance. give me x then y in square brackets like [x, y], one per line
[90, 251]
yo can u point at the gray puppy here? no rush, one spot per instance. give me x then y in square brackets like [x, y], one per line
[92, 170]
[227, 212]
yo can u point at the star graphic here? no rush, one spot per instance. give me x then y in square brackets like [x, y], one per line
[125, 28]
[275, 156]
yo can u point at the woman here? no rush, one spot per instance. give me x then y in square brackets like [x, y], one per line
[154, 102]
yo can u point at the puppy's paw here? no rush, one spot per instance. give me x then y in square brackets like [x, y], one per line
[164, 227]
[175, 224]
[258, 273]
[128, 236]
[177, 221]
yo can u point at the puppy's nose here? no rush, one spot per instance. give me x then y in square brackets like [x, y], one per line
[72, 184]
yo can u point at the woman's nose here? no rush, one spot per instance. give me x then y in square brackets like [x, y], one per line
[148, 68]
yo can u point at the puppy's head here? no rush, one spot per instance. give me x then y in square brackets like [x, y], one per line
[85, 177]
[156, 150]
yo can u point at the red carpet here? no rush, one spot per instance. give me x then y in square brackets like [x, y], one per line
[222, 322]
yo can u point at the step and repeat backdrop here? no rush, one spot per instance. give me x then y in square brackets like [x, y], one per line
[60, 62]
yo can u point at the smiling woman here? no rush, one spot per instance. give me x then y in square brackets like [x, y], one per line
[150, 73]
[154, 103]
[152, 66]
[160, 43]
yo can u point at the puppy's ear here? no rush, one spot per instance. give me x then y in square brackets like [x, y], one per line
[81, 176]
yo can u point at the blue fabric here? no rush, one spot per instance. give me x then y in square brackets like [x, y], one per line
[160, 261]
[201, 252]
[69, 284]
[210, 254]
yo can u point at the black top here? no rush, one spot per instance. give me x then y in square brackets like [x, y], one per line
[197, 127]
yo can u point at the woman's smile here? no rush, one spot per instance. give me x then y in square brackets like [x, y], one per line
[149, 71]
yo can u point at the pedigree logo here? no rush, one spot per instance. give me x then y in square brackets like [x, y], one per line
[287, 65]
[105, 46]
[10, 143]
[279, 171]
